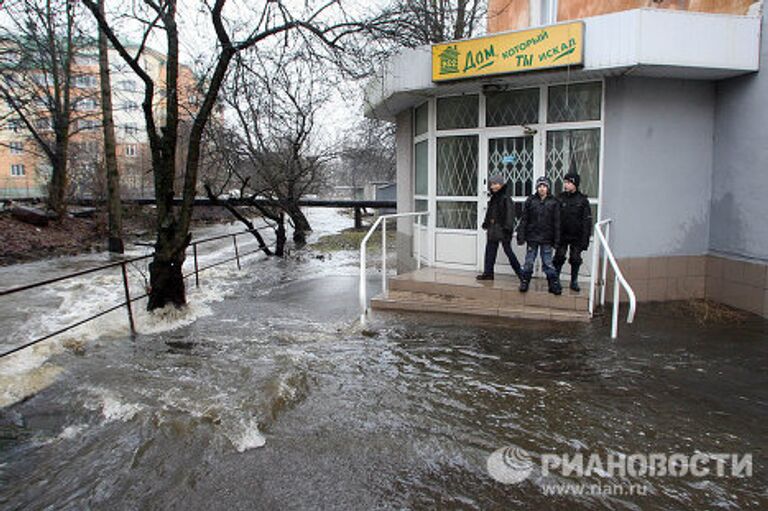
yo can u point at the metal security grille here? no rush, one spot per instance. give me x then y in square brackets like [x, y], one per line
[457, 112]
[512, 108]
[512, 157]
[456, 215]
[457, 166]
[577, 102]
[574, 151]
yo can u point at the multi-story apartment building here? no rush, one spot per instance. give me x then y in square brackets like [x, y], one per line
[24, 170]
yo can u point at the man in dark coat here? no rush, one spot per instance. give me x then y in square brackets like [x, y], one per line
[540, 229]
[499, 223]
[576, 227]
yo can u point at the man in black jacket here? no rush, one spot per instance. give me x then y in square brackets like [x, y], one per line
[499, 222]
[540, 228]
[576, 227]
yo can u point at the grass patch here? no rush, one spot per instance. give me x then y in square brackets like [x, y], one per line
[350, 239]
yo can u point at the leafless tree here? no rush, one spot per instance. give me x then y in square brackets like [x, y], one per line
[368, 155]
[236, 30]
[45, 82]
[418, 22]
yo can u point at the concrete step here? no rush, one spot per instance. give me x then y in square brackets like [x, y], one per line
[415, 301]
[502, 292]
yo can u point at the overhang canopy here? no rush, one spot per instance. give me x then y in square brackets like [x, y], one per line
[656, 43]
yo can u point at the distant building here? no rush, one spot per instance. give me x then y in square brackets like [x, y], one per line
[659, 106]
[24, 172]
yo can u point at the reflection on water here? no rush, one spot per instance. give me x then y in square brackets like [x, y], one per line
[276, 399]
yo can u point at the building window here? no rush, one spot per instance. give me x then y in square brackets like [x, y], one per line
[43, 124]
[422, 119]
[17, 169]
[86, 124]
[422, 155]
[575, 102]
[130, 150]
[456, 215]
[86, 81]
[131, 128]
[130, 106]
[548, 12]
[17, 147]
[512, 108]
[458, 112]
[576, 151]
[457, 166]
[85, 104]
[13, 125]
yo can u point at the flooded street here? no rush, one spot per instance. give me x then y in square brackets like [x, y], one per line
[268, 394]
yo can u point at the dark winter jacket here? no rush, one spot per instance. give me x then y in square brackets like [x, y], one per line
[575, 219]
[540, 222]
[500, 216]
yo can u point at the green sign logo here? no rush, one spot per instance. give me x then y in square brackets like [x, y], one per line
[449, 61]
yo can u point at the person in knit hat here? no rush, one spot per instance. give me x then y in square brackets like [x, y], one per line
[576, 227]
[499, 223]
[540, 229]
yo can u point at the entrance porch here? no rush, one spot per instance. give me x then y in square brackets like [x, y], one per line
[458, 292]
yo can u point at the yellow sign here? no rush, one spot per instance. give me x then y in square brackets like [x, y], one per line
[513, 52]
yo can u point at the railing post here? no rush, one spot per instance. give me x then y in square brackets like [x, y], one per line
[197, 276]
[128, 300]
[358, 218]
[417, 237]
[604, 281]
[237, 253]
[593, 274]
[615, 314]
[384, 256]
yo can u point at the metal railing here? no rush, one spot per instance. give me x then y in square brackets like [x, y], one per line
[618, 279]
[126, 287]
[363, 256]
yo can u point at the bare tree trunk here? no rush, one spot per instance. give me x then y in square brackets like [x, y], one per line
[300, 223]
[114, 206]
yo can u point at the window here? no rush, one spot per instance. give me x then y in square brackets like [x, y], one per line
[130, 106]
[422, 153]
[130, 150]
[86, 81]
[575, 102]
[13, 125]
[422, 119]
[131, 128]
[457, 112]
[457, 161]
[43, 124]
[86, 124]
[512, 108]
[574, 151]
[17, 169]
[85, 104]
[548, 12]
[17, 147]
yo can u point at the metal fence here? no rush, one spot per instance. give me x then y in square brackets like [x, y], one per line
[126, 287]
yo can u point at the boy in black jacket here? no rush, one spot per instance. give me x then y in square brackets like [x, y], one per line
[499, 222]
[576, 227]
[540, 228]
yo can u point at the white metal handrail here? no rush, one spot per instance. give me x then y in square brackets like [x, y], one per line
[618, 278]
[363, 244]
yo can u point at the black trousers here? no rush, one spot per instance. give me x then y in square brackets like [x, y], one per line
[492, 248]
[574, 255]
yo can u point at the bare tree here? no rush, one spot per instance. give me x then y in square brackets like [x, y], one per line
[368, 155]
[45, 82]
[417, 22]
[326, 23]
[114, 206]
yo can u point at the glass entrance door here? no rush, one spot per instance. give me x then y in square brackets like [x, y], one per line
[514, 158]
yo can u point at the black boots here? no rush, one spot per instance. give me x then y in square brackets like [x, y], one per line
[525, 280]
[485, 276]
[554, 285]
[575, 277]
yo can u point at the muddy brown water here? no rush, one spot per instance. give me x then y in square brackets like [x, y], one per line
[276, 398]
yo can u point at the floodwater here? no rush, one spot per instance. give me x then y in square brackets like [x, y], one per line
[268, 394]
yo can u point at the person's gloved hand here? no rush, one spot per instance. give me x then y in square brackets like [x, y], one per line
[485, 225]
